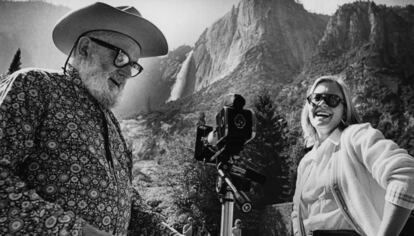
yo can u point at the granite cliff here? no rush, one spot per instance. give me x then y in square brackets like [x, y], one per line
[257, 43]
[273, 38]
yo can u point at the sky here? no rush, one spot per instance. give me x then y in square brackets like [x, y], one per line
[183, 21]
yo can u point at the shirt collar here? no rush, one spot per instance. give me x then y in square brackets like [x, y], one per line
[333, 139]
[72, 72]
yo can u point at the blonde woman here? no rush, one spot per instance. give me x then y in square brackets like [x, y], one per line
[353, 181]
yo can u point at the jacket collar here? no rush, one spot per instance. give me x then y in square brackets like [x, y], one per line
[331, 141]
[335, 137]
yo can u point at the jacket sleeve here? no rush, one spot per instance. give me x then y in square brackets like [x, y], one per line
[392, 167]
[144, 221]
[22, 210]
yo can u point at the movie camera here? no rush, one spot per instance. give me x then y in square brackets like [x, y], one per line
[220, 146]
[235, 127]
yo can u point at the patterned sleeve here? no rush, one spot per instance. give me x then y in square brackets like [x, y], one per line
[22, 211]
[143, 220]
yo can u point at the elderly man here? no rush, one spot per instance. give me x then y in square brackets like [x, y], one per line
[64, 165]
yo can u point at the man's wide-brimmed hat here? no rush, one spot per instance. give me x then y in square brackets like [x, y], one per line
[100, 16]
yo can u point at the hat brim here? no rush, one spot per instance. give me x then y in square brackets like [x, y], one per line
[100, 16]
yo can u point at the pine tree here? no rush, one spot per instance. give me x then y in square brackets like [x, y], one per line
[15, 64]
[269, 150]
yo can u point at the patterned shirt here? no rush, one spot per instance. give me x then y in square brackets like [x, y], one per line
[63, 160]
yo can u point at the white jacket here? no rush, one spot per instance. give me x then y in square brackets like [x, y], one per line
[367, 171]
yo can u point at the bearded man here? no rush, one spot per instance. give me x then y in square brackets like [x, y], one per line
[64, 166]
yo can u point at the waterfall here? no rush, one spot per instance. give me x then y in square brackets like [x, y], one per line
[181, 79]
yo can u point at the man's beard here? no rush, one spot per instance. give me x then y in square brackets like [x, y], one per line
[98, 85]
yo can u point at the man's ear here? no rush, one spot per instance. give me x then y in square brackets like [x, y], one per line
[84, 47]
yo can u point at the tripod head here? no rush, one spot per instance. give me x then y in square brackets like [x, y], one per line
[225, 183]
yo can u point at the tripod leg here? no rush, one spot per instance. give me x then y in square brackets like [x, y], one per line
[227, 206]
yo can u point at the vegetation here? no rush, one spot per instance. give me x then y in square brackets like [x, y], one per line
[15, 64]
[269, 151]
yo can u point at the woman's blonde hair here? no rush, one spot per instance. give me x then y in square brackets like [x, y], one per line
[349, 117]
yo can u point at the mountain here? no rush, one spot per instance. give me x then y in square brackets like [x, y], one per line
[257, 37]
[28, 26]
[259, 43]
[269, 43]
[382, 37]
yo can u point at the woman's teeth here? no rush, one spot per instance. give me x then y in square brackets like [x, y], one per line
[322, 114]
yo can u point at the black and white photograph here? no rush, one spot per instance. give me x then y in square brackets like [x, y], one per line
[207, 117]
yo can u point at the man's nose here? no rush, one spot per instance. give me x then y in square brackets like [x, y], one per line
[125, 72]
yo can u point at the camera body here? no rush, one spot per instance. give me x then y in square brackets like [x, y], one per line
[235, 127]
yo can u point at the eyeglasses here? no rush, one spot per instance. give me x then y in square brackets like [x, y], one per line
[122, 59]
[331, 100]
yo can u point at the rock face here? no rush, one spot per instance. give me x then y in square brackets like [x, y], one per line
[257, 36]
[258, 43]
[388, 34]
[363, 39]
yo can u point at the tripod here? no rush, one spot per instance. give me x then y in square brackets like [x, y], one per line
[227, 206]
[229, 195]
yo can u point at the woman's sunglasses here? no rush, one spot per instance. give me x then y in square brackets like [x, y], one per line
[331, 100]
